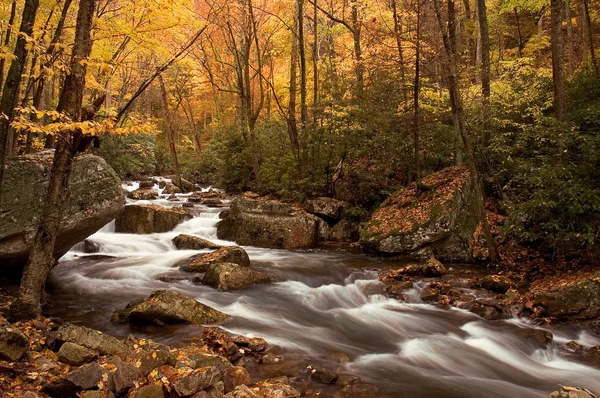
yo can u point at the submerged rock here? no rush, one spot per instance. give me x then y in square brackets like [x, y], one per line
[270, 224]
[189, 242]
[229, 276]
[226, 254]
[440, 223]
[95, 199]
[148, 219]
[169, 307]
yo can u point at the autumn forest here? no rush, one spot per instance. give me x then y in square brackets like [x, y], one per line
[402, 136]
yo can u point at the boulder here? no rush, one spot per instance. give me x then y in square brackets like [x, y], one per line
[226, 254]
[235, 376]
[147, 184]
[143, 194]
[148, 219]
[74, 354]
[579, 300]
[229, 276]
[572, 392]
[189, 242]
[150, 391]
[169, 307]
[197, 380]
[270, 224]
[83, 378]
[13, 344]
[147, 361]
[433, 268]
[327, 208]
[89, 338]
[345, 231]
[95, 199]
[440, 223]
[125, 377]
[496, 283]
[243, 392]
[199, 197]
[203, 360]
[324, 376]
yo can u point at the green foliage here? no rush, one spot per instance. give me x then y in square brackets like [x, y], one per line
[130, 155]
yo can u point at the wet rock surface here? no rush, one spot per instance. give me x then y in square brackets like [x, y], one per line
[169, 307]
[148, 219]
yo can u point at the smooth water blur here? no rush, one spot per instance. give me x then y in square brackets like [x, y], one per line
[324, 306]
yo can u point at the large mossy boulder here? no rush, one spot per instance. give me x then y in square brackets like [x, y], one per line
[148, 219]
[169, 307]
[270, 224]
[95, 198]
[327, 208]
[439, 223]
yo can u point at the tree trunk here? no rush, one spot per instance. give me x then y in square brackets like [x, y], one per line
[485, 69]
[41, 259]
[590, 38]
[358, 56]
[570, 41]
[8, 34]
[291, 117]
[10, 92]
[315, 59]
[458, 109]
[398, 36]
[302, 53]
[558, 62]
[170, 134]
[521, 45]
[416, 92]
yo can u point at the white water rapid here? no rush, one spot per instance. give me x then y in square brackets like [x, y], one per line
[324, 306]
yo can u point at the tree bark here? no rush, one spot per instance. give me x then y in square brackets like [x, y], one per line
[315, 59]
[570, 42]
[590, 38]
[10, 92]
[558, 62]
[70, 142]
[170, 134]
[416, 93]
[398, 36]
[520, 48]
[302, 54]
[458, 109]
[291, 117]
[485, 69]
[8, 34]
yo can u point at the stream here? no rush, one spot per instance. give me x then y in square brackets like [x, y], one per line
[325, 308]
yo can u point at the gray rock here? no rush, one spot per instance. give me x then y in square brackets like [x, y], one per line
[150, 391]
[74, 354]
[323, 375]
[344, 231]
[90, 338]
[327, 208]
[169, 307]
[440, 223]
[496, 283]
[150, 360]
[269, 224]
[204, 360]
[235, 376]
[124, 378]
[189, 242]
[227, 254]
[229, 276]
[571, 392]
[433, 268]
[197, 380]
[243, 392]
[84, 378]
[148, 219]
[95, 199]
[576, 301]
[13, 344]
[143, 194]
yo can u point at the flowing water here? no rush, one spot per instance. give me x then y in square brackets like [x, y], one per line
[326, 308]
